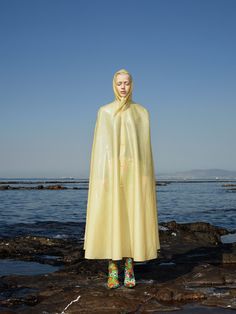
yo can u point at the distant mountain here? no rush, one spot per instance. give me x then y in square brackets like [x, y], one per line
[200, 174]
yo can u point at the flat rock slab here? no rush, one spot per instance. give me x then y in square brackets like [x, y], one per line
[190, 275]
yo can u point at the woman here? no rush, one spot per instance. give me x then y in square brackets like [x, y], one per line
[122, 220]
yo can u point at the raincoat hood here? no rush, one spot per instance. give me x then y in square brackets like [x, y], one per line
[123, 102]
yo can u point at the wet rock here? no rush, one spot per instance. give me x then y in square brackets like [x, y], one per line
[231, 189]
[19, 296]
[56, 187]
[223, 301]
[192, 242]
[52, 185]
[205, 275]
[229, 256]
[162, 183]
[152, 305]
[28, 182]
[193, 267]
[32, 248]
[178, 293]
[196, 227]
[32, 187]
[4, 187]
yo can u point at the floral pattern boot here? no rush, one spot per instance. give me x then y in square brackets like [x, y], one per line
[129, 280]
[113, 279]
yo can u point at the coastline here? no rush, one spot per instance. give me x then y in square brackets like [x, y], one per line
[194, 273]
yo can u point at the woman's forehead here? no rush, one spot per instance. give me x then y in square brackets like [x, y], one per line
[122, 77]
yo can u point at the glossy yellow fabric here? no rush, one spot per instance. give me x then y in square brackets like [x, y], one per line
[122, 219]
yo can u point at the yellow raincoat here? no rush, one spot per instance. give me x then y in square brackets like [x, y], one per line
[122, 219]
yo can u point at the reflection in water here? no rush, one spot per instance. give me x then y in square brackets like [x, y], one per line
[14, 267]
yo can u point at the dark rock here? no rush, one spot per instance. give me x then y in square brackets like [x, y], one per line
[31, 187]
[162, 183]
[4, 187]
[193, 266]
[177, 293]
[56, 187]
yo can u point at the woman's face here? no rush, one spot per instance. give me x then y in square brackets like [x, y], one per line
[123, 84]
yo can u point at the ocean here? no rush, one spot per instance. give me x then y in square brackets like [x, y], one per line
[62, 213]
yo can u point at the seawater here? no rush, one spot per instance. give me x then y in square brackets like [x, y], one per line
[62, 213]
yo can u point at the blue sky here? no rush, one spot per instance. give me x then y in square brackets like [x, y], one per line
[57, 61]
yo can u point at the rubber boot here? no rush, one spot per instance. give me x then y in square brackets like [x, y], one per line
[113, 279]
[129, 279]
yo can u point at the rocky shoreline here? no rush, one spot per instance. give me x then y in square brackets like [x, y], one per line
[40, 187]
[60, 185]
[30, 186]
[194, 269]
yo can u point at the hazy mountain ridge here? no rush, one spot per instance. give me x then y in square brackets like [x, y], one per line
[201, 174]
